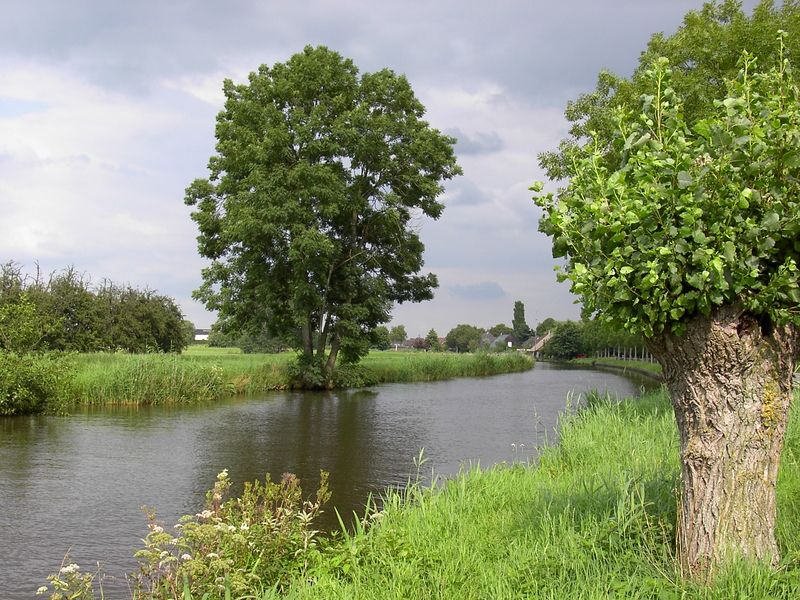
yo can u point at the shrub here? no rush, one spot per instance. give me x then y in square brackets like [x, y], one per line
[33, 383]
[262, 540]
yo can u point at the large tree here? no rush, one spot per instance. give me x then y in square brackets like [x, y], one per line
[692, 240]
[520, 328]
[307, 213]
[464, 338]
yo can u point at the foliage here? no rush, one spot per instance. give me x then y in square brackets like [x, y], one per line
[188, 329]
[547, 325]
[599, 335]
[418, 343]
[464, 338]
[265, 538]
[306, 215]
[34, 382]
[695, 218]
[381, 338]
[566, 342]
[500, 329]
[705, 52]
[22, 327]
[70, 583]
[139, 320]
[432, 341]
[398, 335]
[521, 330]
[64, 312]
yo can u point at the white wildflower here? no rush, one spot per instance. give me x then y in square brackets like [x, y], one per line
[186, 556]
[244, 526]
[212, 555]
[41, 590]
[231, 528]
[206, 514]
[69, 569]
[156, 529]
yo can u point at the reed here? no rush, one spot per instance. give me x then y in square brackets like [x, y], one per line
[407, 367]
[204, 374]
[170, 378]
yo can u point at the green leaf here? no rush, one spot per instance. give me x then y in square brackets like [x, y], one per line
[771, 221]
[684, 180]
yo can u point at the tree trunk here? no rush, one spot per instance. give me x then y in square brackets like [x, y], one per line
[308, 343]
[730, 380]
[331, 364]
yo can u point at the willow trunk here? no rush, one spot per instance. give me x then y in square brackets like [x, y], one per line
[730, 380]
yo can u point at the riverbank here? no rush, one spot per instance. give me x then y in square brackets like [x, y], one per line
[640, 367]
[203, 374]
[594, 519]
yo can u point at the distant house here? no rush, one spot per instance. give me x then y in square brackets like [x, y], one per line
[201, 335]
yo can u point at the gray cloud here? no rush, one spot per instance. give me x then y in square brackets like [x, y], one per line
[480, 143]
[487, 290]
[464, 192]
[529, 48]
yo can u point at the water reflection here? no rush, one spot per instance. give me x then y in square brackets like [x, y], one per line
[79, 482]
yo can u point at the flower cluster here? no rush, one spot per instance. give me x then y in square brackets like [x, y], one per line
[69, 583]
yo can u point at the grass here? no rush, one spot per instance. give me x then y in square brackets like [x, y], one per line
[202, 373]
[653, 367]
[408, 367]
[178, 378]
[594, 519]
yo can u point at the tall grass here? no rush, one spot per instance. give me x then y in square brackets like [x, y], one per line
[204, 374]
[164, 378]
[407, 367]
[594, 519]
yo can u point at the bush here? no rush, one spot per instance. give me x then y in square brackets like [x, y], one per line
[34, 383]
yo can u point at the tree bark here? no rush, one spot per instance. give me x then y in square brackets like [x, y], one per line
[730, 380]
[330, 366]
[308, 342]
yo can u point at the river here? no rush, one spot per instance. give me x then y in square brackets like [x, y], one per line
[77, 483]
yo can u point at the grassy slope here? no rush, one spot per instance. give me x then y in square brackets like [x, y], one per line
[594, 520]
[203, 373]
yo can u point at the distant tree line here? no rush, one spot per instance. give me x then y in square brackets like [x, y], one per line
[66, 312]
[250, 342]
[589, 337]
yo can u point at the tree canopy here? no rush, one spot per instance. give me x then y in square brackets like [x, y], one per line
[464, 338]
[307, 212]
[694, 217]
[520, 327]
[63, 311]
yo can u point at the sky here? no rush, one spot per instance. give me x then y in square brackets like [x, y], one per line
[107, 113]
